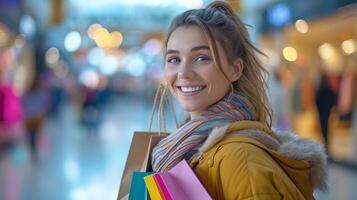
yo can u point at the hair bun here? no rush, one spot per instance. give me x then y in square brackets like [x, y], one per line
[222, 7]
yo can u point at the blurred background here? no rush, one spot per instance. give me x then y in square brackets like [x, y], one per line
[78, 77]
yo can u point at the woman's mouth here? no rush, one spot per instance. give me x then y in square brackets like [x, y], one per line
[190, 90]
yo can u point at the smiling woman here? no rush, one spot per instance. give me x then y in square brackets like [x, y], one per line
[191, 74]
[212, 70]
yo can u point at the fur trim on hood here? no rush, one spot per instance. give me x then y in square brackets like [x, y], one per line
[289, 145]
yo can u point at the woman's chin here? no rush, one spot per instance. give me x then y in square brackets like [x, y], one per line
[191, 109]
[192, 106]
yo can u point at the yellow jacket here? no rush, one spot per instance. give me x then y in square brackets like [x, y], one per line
[245, 160]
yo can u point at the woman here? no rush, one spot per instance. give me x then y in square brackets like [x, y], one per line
[212, 70]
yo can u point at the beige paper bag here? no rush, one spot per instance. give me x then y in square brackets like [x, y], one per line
[138, 157]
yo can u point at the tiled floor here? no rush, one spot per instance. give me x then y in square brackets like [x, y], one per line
[74, 165]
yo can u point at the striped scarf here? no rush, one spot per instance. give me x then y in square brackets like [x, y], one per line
[184, 143]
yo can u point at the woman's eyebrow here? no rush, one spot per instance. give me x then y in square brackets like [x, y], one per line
[200, 47]
[171, 51]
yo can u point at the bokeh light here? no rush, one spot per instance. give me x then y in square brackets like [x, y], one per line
[89, 78]
[135, 65]
[349, 46]
[109, 65]
[92, 29]
[116, 39]
[325, 51]
[152, 47]
[52, 56]
[301, 26]
[105, 39]
[290, 54]
[27, 26]
[72, 41]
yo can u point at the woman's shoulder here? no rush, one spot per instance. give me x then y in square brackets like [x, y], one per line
[238, 151]
[241, 151]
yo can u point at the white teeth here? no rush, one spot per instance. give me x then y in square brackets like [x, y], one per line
[191, 89]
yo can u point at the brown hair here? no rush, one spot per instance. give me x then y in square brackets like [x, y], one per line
[220, 24]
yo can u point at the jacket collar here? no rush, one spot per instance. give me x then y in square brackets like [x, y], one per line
[283, 143]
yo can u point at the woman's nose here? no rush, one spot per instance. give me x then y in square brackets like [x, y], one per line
[185, 72]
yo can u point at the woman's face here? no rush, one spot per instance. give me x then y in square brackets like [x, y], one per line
[190, 72]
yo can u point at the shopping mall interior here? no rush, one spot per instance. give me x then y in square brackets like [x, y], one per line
[81, 77]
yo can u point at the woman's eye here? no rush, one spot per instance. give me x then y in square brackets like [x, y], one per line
[173, 60]
[202, 58]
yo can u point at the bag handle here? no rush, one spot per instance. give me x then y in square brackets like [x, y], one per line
[161, 91]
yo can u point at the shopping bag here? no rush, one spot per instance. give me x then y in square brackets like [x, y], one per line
[162, 187]
[153, 189]
[180, 182]
[143, 143]
[138, 189]
[157, 188]
[138, 158]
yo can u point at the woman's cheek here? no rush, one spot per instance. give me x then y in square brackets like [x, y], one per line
[169, 75]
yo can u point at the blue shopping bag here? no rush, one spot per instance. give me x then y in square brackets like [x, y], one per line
[138, 189]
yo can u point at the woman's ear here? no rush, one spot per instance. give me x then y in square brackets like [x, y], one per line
[237, 70]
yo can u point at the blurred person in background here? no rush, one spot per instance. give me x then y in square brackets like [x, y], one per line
[90, 110]
[36, 104]
[346, 94]
[212, 69]
[11, 126]
[52, 85]
[326, 99]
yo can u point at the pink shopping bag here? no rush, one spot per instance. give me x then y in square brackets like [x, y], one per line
[180, 182]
